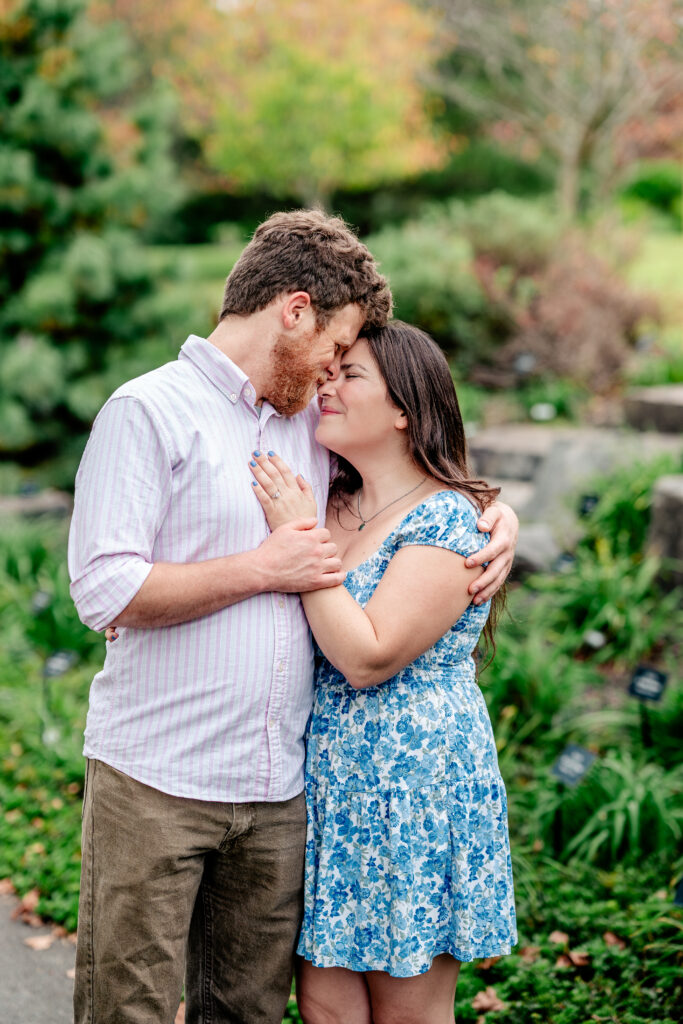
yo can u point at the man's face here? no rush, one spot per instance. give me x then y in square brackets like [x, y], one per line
[307, 358]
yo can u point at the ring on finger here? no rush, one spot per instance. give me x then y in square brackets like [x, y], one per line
[276, 495]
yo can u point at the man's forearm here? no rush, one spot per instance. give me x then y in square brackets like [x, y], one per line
[295, 557]
[177, 592]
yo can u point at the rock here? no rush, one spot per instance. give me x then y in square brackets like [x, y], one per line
[666, 525]
[657, 408]
[537, 550]
[47, 502]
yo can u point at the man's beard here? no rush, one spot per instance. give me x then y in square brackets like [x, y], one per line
[293, 379]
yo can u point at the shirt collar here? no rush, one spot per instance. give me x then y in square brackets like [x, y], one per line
[225, 375]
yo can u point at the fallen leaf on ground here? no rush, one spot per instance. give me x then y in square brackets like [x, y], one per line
[24, 910]
[484, 965]
[40, 942]
[573, 958]
[6, 887]
[561, 938]
[59, 932]
[487, 1000]
[71, 973]
[529, 954]
[180, 1015]
[613, 940]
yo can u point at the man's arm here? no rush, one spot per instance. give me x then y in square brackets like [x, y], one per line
[293, 559]
[123, 491]
[503, 525]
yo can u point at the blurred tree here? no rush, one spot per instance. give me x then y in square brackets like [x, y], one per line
[295, 97]
[84, 166]
[565, 75]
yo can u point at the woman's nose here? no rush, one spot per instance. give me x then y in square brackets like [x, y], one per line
[329, 386]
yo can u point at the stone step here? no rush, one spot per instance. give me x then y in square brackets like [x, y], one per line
[656, 408]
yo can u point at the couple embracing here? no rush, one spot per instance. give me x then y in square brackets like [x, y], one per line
[250, 794]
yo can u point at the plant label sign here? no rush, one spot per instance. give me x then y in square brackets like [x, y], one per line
[564, 562]
[647, 683]
[588, 504]
[58, 663]
[678, 895]
[572, 764]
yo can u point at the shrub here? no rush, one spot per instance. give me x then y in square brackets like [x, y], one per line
[657, 183]
[429, 266]
[581, 323]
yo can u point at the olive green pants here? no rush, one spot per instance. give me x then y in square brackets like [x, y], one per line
[172, 887]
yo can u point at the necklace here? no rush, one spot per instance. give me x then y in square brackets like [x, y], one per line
[364, 522]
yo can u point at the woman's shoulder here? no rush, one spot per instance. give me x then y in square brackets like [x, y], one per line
[446, 504]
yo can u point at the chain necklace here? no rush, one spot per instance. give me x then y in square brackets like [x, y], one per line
[364, 522]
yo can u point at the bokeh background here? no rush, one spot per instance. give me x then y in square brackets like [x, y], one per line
[517, 167]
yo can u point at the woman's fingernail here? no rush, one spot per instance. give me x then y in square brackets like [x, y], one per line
[257, 453]
[485, 523]
[271, 453]
[475, 589]
[252, 463]
[254, 484]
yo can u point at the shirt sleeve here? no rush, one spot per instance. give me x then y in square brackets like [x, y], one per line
[448, 520]
[123, 488]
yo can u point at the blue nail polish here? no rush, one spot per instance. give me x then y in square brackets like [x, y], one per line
[254, 484]
[271, 453]
[257, 453]
[252, 463]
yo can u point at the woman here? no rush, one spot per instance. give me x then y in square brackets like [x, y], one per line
[407, 862]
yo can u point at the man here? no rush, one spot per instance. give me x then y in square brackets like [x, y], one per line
[194, 821]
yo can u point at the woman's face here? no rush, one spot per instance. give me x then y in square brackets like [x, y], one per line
[356, 412]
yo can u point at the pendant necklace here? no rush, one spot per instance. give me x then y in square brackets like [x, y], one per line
[364, 522]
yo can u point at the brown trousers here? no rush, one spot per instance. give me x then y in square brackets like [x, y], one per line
[171, 885]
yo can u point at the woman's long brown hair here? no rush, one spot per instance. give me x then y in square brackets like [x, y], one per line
[419, 382]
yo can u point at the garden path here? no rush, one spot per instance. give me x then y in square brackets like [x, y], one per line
[35, 985]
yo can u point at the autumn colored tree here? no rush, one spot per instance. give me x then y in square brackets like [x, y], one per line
[295, 97]
[567, 75]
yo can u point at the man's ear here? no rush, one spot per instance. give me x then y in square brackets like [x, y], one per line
[295, 308]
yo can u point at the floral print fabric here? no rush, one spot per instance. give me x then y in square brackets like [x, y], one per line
[407, 852]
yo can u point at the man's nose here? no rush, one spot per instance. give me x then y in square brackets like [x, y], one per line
[328, 386]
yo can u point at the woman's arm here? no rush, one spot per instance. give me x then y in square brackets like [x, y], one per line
[421, 595]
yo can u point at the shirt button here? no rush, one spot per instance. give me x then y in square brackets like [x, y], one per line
[280, 666]
[233, 397]
[281, 602]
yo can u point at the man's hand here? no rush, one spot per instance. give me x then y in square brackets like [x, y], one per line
[502, 523]
[299, 556]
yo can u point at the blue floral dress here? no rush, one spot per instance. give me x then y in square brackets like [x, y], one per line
[407, 852]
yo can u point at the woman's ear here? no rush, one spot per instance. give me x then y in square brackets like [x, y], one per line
[401, 422]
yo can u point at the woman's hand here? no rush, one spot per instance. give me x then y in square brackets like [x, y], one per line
[500, 520]
[282, 495]
[111, 634]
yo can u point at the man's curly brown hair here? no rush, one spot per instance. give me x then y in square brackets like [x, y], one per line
[307, 250]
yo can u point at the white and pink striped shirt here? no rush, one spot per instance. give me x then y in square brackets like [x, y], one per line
[215, 708]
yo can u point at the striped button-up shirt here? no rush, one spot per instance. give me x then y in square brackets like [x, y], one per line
[214, 708]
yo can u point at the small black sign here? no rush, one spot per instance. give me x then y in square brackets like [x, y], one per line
[572, 764]
[647, 683]
[678, 895]
[588, 504]
[58, 663]
[564, 562]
